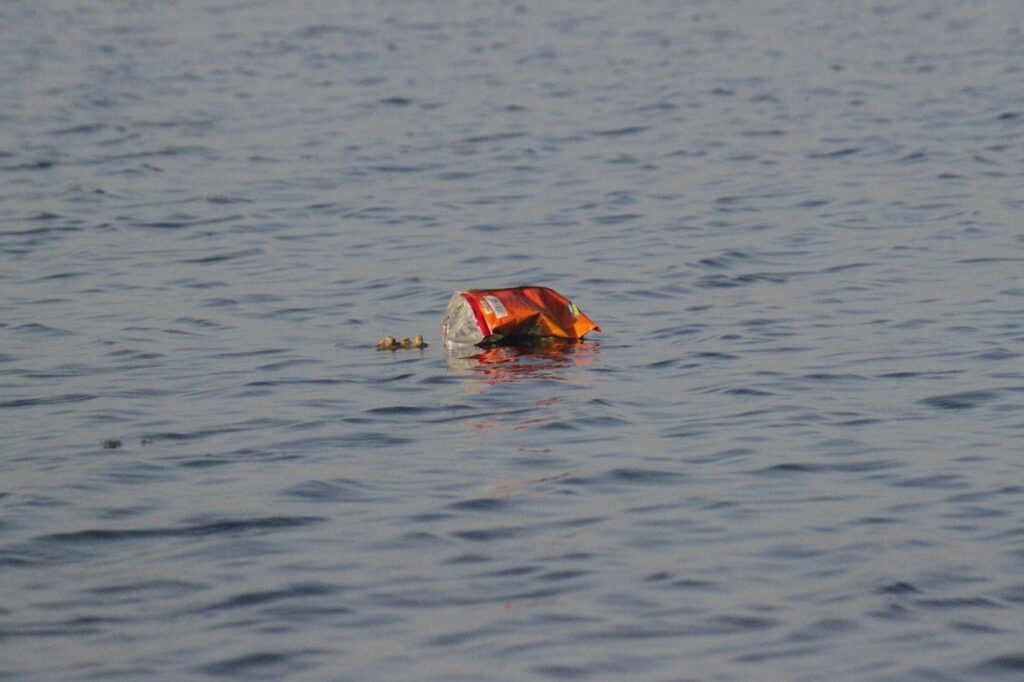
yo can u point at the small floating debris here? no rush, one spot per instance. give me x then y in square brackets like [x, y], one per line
[111, 444]
[391, 343]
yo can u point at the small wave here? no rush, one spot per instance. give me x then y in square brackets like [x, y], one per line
[41, 164]
[495, 137]
[337, 490]
[490, 534]
[261, 597]
[221, 257]
[79, 129]
[726, 282]
[49, 400]
[627, 475]
[363, 439]
[960, 401]
[620, 132]
[823, 468]
[486, 504]
[616, 219]
[1011, 665]
[836, 154]
[958, 603]
[228, 527]
[155, 588]
[260, 665]
[36, 328]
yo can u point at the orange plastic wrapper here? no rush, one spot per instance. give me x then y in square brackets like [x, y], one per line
[484, 317]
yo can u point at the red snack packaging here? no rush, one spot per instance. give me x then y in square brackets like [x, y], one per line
[492, 316]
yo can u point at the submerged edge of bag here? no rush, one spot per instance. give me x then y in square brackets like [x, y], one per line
[491, 316]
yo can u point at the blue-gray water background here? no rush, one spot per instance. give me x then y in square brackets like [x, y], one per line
[794, 454]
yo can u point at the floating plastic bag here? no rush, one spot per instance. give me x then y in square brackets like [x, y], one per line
[492, 316]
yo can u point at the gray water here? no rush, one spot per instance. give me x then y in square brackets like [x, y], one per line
[793, 454]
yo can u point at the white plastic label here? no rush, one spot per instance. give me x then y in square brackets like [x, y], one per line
[496, 306]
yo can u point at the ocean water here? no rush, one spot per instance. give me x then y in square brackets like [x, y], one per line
[795, 453]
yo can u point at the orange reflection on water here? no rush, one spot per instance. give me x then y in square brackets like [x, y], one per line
[544, 359]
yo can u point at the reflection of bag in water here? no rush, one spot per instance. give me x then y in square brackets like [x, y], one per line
[542, 358]
[492, 316]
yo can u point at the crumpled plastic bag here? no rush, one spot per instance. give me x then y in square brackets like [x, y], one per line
[485, 317]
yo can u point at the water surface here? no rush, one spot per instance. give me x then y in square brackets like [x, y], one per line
[795, 448]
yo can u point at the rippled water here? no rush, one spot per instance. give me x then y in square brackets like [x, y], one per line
[794, 454]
